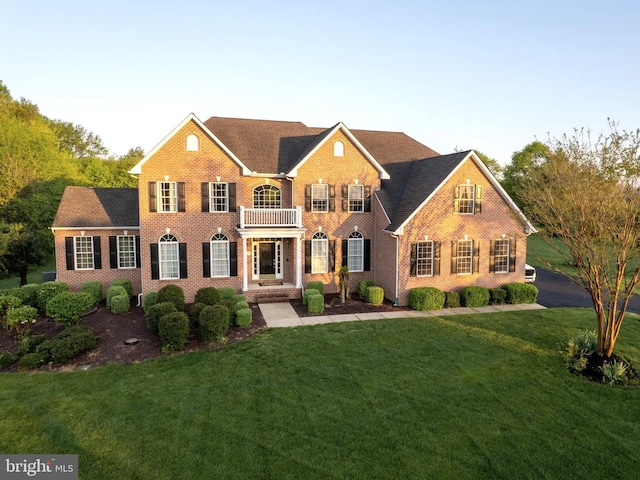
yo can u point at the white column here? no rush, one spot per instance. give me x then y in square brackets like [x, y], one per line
[298, 262]
[245, 280]
[241, 216]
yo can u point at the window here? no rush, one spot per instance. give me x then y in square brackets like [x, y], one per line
[167, 198]
[192, 143]
[355, 252]
[83, 252]
[169, 258]
[319, 253]
[424, 259]
[319, 197]
[338, 149]
[126, 251]
[266, 196]
[219, 255]
[501, 255]
[218, 197]
[464, 263]
[468, 199]
[356, 198]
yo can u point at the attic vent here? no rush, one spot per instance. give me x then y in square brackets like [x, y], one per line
[192, 143]
[338, 149]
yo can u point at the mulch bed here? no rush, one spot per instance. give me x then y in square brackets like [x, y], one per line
[332, 306]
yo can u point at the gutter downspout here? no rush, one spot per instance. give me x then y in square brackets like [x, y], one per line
[395, 303]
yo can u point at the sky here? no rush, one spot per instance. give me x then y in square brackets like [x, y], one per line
[488, 75]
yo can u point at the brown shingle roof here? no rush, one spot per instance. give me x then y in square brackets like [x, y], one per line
[83, 207]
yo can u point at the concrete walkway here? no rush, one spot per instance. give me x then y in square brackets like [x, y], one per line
[283, 314]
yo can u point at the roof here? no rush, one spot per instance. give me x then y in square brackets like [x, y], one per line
[83, 207]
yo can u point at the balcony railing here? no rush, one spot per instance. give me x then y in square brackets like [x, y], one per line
[270, 217]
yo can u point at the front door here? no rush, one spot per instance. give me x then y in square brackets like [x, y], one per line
[267, 260]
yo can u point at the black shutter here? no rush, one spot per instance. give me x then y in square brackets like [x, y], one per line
[182, 255]
[153, 205]
[332, 198]
[492, 256]
[456, 201]
[307, 199]
[233, 259]
[206, 260]
[155, 264]
[138, 259]
[476, 257]
[232, 196]
[413, 269]
[512, 255]
[437, 247]
[113, 251]
[345, 253]
[367, 198]
[454, 257]
[68, 247]
[307, 256]
[332, 255]
[345, 198]
[367, 254]
[478, 206]
[97, 254]
[204, 194]
[181, 198]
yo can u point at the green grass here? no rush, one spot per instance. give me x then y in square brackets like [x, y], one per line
[34, 276]
[478, 396]
[540, 254]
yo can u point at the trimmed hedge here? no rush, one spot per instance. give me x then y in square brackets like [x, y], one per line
[156, 312]
[67, 345]
[123, 282]
[231, 306]
[452, 300]
[114, 290]
[241, 304]
[173, 329]
[474, 296]
[120, 304]
[426, 298]
[244, 317]
[194, 313]
[315, 303]
[375, 295]
[319, 286]
[208, 296]
[28, 294]
[48, 290]
[497, 296]
[173, 294]
[238, 297]
[521, 293]
[227, 292]
[307, 293]
[93, 288]
[150, 299]
[362, 288]
[66, 307]
[214, 323]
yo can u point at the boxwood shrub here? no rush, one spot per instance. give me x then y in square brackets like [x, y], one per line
[120, 304]
[66, 307]
[319, 286]
[28, 294]
[29, 343]
[452, 299]
[241, 304]
[68, 344]
[238, 297]
[194, 313]
[173, 294]
[48, 290]
[157, 311]
[31, 361]
[150, 299]
[114, 290]
[521, 293]
[231, 306]
[173, 329]
[214, 323]
[362, 288]
[7, 302]
[307, 293]
[474, 296]
[315, 303]
[227, 292]
[244, 317]
[123, 282]
[375, 295]
[426, 298]
[7, 359]
[497, 296]
[93, 288]
[208, 296]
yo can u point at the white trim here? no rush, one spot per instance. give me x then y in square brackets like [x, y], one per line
[375, 194]
[55, 229]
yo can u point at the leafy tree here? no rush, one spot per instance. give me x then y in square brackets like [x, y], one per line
[77, 141]
[522, 163]
[587, 195]
[491, 163]
[22, 251]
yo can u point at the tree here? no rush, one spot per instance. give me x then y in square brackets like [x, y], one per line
[22, 250]
[522, 163]
[491, 163]
[587, 194]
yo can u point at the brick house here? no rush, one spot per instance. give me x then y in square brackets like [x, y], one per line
[268, 206]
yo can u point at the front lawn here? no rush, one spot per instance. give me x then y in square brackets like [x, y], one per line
[476, 396]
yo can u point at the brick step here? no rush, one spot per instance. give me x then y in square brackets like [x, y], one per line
[272, 297]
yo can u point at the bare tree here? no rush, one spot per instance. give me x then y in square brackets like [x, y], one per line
[588, 196]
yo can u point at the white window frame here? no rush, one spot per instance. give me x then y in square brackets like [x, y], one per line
[193, 143]
[424, 258]
[216, 200]
[168, 258]
[319, 197]
[355, 252]
[167, 197]
[464, 263]
[319, 253]
[259, 198]
[338, 149]
[466, 205]
[220, 263]
[501, 259]
[353, 199]
[126, 259]
[83, 254]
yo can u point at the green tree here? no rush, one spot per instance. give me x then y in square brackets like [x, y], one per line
[586, 194]
[491, 163]
[77, 141]
[522, 163]
[22, 251]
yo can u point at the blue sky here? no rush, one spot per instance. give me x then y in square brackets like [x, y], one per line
[490, 75]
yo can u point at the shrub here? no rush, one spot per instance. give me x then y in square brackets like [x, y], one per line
[241, 304]
[150, 299]
[94, 289]
[497, 296]
[20, 315]
[315, 303]
[319, 286]
[48, 290]
[231, 306]
[426, 298]
[194, 313]
[173, 294]
[452, 299]
[579, 349]
[244, 317]
[68, 344]
[29, 343]
[521, 293]
[375, 295]
[613, 372]
[120, 304]
[474, 296]
[239, 297]
[214, 323]
[208, 296]
[28, 294]
[7, 358]
[226, 292]
[114, 290]
[31, 361]
[123, 282]
[66, 307]
[362, 288]
[8, 302]
[173, 329]
[156, 312]
[307, 293]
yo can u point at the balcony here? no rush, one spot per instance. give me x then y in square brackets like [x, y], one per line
[270, 217]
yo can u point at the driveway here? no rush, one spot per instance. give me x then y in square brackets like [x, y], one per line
[556, 290]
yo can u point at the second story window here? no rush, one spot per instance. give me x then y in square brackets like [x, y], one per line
[319, 197]
[219, 197]
[166, 196]
[266, 196]
[468, 199]
[356, 198]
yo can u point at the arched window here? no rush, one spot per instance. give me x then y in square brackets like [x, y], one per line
[169, 257]
[355, 252]
[219, 255]
[319, 253]
[193, 143]
[338, 149]
[266, 196]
